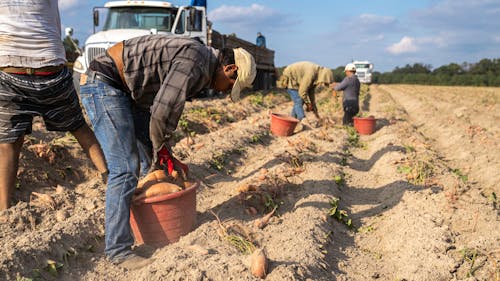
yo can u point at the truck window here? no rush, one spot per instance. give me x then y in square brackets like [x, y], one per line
[180, 25]
[195, 18]
[140, 18]
[362, 65]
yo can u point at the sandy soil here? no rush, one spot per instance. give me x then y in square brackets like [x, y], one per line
[416, 200]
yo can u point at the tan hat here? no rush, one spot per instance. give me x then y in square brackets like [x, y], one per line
[325, 75]
[246, 72]
[350, 67]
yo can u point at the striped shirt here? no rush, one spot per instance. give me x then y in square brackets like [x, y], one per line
[161, 73]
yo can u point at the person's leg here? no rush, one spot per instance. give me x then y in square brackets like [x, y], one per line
[298, 104]
[110, 113]
[91, 147]
[144, 144]
[351, 108]
[9, 163]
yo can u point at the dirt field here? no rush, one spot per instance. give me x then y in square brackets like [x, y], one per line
[416, 200]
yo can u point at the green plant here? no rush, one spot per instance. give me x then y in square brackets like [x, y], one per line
[409, 149]
[217, 161]
[243, 245]
[339, 180]
[343, 161]
[416, 171]
[257, 138]
[362, 114]
[458, 173]
[470, 256]
[269, 202]
[184, 124]
[257, 99]
[53, 267]
[494, 200]
[366, 229]
[352, 136]
[338, 214]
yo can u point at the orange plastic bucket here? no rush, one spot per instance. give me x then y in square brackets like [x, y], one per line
[160, 220]
[365, 125]
[283, 125]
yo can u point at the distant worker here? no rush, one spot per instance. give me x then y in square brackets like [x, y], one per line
[71, 45]
[200, 3]
[35, 81]
[134, 95]
[301, 79]
[350, 101]
[261, 40]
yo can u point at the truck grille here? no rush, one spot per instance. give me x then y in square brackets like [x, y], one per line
[360, 74]
[93, 52]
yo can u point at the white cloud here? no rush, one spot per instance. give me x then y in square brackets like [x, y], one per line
[496, 38]
[375, 19]
[226, 13]
[405, 45]
[66, 4]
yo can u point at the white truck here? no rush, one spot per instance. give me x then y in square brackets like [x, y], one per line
[364, 70]
[128, 19]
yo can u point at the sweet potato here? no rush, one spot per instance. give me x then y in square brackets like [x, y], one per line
[261, 223]
[259, 264]
[152, 178]
[160, 188]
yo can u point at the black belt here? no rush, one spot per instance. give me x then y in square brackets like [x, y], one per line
[93, 75]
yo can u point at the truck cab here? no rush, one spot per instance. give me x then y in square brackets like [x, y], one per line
[128, 19]
[364, 70]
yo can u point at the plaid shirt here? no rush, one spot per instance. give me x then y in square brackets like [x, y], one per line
[162, 72]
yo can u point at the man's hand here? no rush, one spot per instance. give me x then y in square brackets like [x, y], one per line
[172, 165]
[332, 85]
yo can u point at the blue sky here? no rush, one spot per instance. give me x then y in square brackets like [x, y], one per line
[389, 33]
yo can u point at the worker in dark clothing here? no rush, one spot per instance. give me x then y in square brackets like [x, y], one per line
[261, 40]
[201, 3]
[350, 85]
[134, 95]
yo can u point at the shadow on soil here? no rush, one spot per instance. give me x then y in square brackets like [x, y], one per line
[381, 199]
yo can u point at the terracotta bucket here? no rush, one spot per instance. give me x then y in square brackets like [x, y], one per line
[283, 125]
[160, 220]
[365, 125]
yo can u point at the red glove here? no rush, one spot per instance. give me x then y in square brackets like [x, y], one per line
[171, 163]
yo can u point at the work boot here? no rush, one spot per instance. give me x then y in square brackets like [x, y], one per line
[134, 262]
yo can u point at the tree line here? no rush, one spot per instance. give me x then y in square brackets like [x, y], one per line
[486, 72]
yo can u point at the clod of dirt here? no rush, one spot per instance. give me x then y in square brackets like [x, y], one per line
[61, 215]
[198, 249]
[246, 188]
[43, 200]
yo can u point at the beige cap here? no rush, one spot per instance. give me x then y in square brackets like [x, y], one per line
[350, 67]
[246, 72]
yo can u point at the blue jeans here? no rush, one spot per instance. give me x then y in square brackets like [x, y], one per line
[298, 103]
[112, 117]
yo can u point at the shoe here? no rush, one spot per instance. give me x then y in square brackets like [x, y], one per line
[134, 262]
